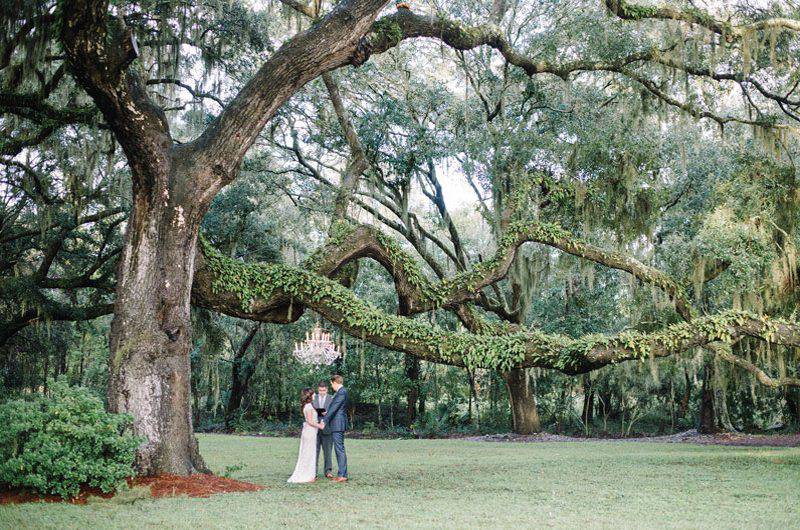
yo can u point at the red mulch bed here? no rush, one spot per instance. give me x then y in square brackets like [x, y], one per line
[194, 486]
[199, 485]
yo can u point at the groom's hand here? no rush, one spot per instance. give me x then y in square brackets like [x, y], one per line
[322, 423]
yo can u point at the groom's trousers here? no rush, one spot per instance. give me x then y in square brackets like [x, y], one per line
[325, 443]
[341, 456]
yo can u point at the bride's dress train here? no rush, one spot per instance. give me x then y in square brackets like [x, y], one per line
[306, 468]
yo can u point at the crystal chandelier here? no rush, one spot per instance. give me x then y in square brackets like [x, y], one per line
[317, 349]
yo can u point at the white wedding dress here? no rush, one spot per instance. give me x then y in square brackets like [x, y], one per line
[306, 468]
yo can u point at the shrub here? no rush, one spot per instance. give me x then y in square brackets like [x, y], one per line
[57, 443]
[369, 428]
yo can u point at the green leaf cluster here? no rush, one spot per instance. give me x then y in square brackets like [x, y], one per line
[55, 444]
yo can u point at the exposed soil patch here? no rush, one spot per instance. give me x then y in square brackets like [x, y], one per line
[691, 436]
[194, 486]
[199, 485]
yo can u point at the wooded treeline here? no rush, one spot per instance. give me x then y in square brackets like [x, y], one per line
[572, 215]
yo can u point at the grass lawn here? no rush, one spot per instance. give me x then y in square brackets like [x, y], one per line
[451, 483]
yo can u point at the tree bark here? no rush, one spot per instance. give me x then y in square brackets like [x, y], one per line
[523, 402]
[149, 368]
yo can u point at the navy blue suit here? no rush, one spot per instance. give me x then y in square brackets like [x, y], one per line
[336, 420]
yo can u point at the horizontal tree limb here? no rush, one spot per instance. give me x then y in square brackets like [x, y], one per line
[238, 289]
[631, 11]
[49, 312]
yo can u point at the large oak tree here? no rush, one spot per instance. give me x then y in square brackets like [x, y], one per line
[162, 269]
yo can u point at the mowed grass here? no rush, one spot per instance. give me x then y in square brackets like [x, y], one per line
[459, 484]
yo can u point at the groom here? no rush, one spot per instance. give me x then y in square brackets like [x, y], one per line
[324, 436]
[335, 420]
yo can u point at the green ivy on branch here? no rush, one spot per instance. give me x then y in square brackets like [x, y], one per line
[253, 284]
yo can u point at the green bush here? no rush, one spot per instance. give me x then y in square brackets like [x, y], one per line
[57, 443]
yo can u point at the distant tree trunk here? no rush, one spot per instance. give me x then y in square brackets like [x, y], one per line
[588, 401]
[195, 392]
[338, 364]
[723, 417]
[474, 393]
[421, 408]
[380, 394]
[471, 384]
[672, 405]
[412, 395]
[80, 368]
[492, 395]
[792, 410]
[241, 372]
[279, 386]
[209, 393]
[62, 362]
[748, 409]
[687, 394]
[708, 423]
[45, 370]
[523, 402]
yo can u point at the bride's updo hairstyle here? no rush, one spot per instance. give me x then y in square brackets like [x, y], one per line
[306, 395]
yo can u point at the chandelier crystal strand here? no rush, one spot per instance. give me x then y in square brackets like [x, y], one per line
[317, 348]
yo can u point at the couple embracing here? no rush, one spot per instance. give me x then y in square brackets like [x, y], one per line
[324, 423]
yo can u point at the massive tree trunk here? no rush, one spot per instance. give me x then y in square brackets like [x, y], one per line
[149, 369]
[523, 402]
[173, 185]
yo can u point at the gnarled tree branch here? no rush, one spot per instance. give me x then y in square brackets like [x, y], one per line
[241, 290]
[631, 11]
[391, 30]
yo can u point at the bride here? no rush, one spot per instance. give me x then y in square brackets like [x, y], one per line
[306, 468]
